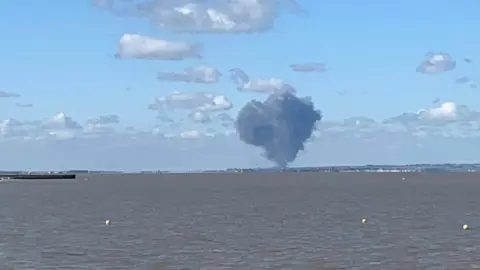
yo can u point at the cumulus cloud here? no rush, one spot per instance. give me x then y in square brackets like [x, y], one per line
[309, 67]
[444, 114]
[264, 86]
[11, 128]
[441, 115]
[199, 74]
[61, 121]
[102, 124]
[195, 150]
[436, 63]
[218, 16]
[148, 48]
[59, 126]
[446, 111]
[4, 94]
[444, 120]
[192, 101]
[444, 132]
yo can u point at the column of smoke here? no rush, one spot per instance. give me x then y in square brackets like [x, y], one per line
[280, 125]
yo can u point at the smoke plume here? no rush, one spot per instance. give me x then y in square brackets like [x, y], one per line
[280, 125]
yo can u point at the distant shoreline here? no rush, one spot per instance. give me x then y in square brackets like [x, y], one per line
[70, 174]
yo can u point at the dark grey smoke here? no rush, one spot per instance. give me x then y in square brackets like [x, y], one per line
[280, 125]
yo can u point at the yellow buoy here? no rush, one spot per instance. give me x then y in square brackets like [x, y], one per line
[107, 222]
[364, 220]
[466, 227]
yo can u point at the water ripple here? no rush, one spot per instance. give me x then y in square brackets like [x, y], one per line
[244, 224]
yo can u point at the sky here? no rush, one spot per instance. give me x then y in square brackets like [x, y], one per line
[81, 74]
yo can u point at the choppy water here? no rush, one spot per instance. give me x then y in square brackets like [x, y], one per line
[263, 221]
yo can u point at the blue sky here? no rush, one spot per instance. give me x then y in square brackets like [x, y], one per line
[58, 56]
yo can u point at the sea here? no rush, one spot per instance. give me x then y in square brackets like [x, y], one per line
[242, 221]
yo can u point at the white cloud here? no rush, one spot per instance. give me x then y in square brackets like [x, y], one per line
[217, 16]
[199, 74]
[101, 125]
[447, 132]
[61, 121]
[192, 101]
[446, 111]
[147, 48]
[265, 85]
[11, 128]
[436, 63]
